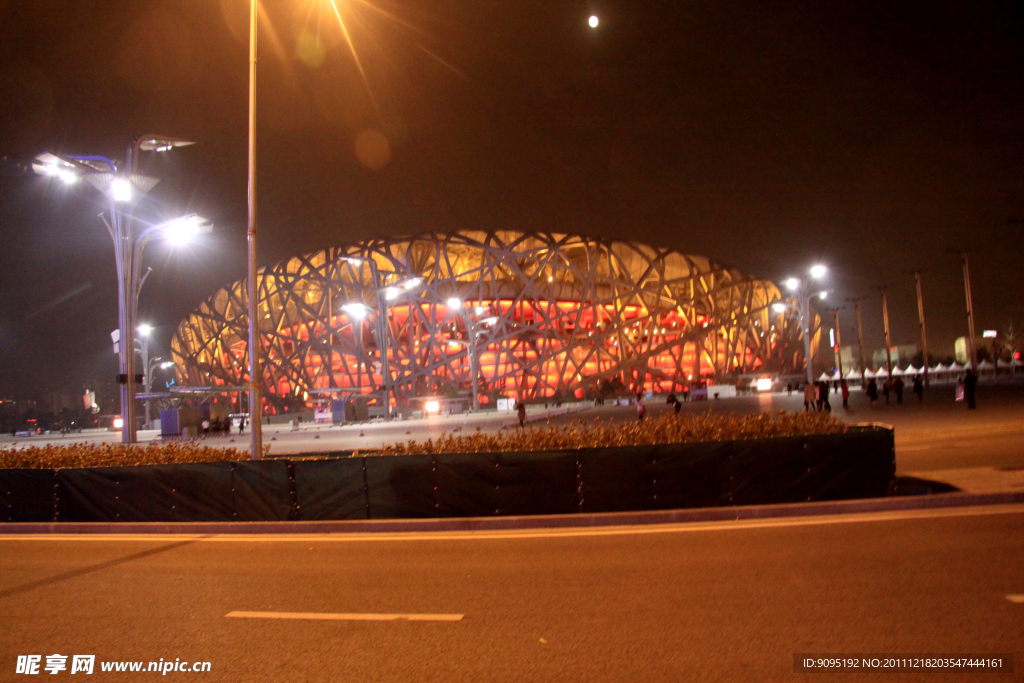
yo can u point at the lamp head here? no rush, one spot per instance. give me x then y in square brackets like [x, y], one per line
[357, 311]
[818, 271]
[454, 302]
[162, 143]
[121, 190]
[181, 230]
[779, 307]
[793, 283]
[145, 329]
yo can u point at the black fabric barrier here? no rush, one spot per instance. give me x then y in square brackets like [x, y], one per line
[209, 492]
[330, 489]
[27, 495]
[858, 464]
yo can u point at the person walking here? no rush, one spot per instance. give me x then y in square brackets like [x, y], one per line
[970, 383]
[886, 386]
[872, 392]
[820, 394]
[521, 412]
[844, 388]
[898, 388]
[640, 410]
[789, 389]
[809, 398]
[825, 405]
[919, 388]
[241, 425]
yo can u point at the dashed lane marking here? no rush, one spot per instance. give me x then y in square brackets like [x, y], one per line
[343, 616]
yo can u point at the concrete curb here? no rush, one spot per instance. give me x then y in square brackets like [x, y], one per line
[938, 501]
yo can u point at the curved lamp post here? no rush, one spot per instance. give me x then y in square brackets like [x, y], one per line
[802, 288]
[122, 188]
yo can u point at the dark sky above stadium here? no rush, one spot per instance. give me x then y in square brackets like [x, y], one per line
[875, 137]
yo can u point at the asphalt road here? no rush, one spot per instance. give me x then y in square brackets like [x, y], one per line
[727, 601]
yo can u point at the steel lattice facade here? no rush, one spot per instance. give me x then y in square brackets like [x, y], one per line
[565, 313]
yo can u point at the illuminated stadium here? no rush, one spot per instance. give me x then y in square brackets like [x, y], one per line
[536, 316]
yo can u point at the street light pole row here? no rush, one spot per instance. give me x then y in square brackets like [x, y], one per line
[121, 189]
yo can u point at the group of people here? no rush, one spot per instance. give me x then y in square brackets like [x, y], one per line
[217, 426]
[894, 386]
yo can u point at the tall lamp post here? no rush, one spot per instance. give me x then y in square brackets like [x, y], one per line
[474, 328]
[121, 188]
[255, 376]
[390, 293]
[801, 287]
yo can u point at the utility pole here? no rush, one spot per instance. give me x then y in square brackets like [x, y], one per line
[839, 343]
[255, 373]
[920, 318]
[970, 309]
[860, 331]
[885, 321]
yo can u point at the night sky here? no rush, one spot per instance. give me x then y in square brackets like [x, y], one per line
[874, 137]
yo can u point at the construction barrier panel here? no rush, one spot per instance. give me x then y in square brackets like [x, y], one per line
[857, 464]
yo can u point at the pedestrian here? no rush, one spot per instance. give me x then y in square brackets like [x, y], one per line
[919, 388]
[872, 392]
[844, 388]
[826, 406]
[809, 397]
[521, 412]
[820, 394]
[970, 383]
[886, 386]
[686, 393]
[789, 389]
[640, 410]
[241, 425]
[674, 402]
[898, 388]
[206, 427]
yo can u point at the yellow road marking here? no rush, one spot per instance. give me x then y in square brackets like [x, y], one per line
[341, 616]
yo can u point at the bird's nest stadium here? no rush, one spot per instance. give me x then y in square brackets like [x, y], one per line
[535, 316]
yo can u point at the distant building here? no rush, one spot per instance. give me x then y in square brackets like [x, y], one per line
[901, 354]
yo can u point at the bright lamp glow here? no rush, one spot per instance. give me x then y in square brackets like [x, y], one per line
[145, 329]
[390, 293]
[432, 406]
[593, 21]
[357, 311]
[121, 190]
[412, 283]
[989, 334]
[454, 302]
[118, 423]
[181, 230]
[68, 177]
[792, 283]
[822, 295]
[764, 384]
[779, 307]
[169, 364]
[818, 272]
[480, 310]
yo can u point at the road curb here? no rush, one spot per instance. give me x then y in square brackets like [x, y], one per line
[938, 501]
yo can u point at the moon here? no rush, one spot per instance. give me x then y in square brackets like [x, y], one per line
[593, 21]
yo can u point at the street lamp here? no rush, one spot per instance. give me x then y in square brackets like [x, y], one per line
[121, 188]
[474, 328]
[390, 292]
[801, 288]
